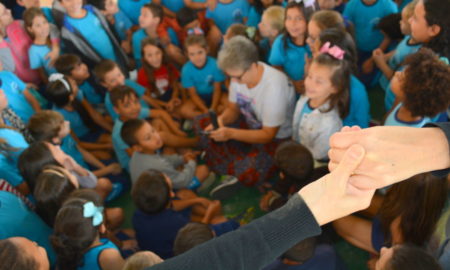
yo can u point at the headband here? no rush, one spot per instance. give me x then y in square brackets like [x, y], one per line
[59, 77]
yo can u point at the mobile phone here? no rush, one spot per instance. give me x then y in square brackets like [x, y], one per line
[213, 117]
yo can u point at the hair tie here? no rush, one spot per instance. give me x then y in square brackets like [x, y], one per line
[195, 31]
[59, 77]
[94, 212]
[334, 51]
[306, 3]
[251, 32]
[444, 59]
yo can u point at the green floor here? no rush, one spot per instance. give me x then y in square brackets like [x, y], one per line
[247, 201]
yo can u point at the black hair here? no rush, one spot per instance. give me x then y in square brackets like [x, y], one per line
[185, 16]
[129, 129]
[100, 4]
[12, 257]
[190, 236]
[119, 93]
[390, 26]
[32, 160]
[151, 193]
[437, 13]
[88, 195]
[65, 63]
[52, 188]
[407, 256]
[302, 251]
[306, 12]
[156, 10]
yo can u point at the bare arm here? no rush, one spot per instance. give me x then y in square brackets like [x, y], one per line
[97, 117]
[197, 100]
[32, 100]
[257, 136]
[216, 95]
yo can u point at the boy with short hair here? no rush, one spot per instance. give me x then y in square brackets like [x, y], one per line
[146, 143]
[127, 106]
[271, 25]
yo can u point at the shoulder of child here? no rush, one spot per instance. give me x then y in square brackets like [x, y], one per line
[110, 258]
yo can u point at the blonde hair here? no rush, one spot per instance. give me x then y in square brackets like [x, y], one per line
[409, 8]
[141, 260]
[275, 14]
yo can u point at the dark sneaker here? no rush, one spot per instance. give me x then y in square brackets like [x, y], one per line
[226, 189]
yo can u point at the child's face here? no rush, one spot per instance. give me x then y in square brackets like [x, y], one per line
[3, 100]
[5, 16]
[397, 84]
[147, 20]
[80, 72]
[420, 30]
[28, 3]
[153, 56]
[197, 55]
[113, 78]
[128, 108]
[404, 24]
[72, 6]
[295, 22]
[265, 29]
[327, 4]
[40, 27]
[148, 139]
[318, 85]
[313, 36]
[33, 250]
[111, 7]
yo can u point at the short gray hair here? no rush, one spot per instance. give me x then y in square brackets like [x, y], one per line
[238, 53]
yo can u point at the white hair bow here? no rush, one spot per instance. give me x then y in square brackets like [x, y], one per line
[59, 77]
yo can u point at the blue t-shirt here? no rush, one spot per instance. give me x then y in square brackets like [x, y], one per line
[121, 24]
[365, 18]
[14, 88]
[92, 30]
[48, 14]
[359, 109]
[37, 54]
[173, 5]
[157, 232]
[254, 17]
[119, 145]
[202, 79]
[392, 119]
[69, 146]
[139, 89]
[18, 220]
[76, 122]
[224, 15]
[90, 94]
[291, 58]
[8, 161]
[324, 259]
[132, 8]
[91, 259]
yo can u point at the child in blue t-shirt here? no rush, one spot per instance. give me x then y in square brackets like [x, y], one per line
[38, 28]
[132, 9]
[20, 98]
[202, 78]
[228, 12]
[422, 89]
[117, 18]
[290, 49]
[365, 15]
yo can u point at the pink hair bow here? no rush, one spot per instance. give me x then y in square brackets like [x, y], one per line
[334, 51]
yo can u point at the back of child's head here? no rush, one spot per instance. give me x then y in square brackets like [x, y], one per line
[390, 26]
[295, 162]
[418, 202]
[151, 192]
[13, 256]
[195, 40]
[32, 160]
[129, 130]
[65, 63]
[59, 90]
[437, 13]
[275, 15]
[326, 19]
[45, 125]
[411, 257]
[185, 16]
[28, 17]
[141, 260]
[119, 93]
[426, 84]
[340, 78]
[342, 39]
[155, 9]
[237, 29]
[53, 187]
[87, 194]
[190, 236]
[75, 230]
[302, 251]
[103, 67]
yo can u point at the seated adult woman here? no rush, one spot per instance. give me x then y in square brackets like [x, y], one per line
[258, 116]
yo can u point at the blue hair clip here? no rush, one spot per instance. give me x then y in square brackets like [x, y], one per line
[94, 212]
[444, 59]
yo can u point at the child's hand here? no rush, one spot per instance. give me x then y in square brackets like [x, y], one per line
[378, 56]
[114, 168]
[52, 56]
[126, 46]
[204, 202]
[189, 156]
[264, 202]
[174, 102]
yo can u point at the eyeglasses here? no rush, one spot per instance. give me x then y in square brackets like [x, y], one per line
[239, 78]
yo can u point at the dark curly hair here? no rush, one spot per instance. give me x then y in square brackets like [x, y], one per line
[436, 13]
[426, 84]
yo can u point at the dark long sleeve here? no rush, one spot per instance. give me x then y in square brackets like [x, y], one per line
[445, 127]
[252, 246]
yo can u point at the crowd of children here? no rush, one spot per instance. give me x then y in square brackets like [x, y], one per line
[160, 98]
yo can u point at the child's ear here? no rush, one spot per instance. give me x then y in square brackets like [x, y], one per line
[102, 228]
[282, 176]
[434, 30]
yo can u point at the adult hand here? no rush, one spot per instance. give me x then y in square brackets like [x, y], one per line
[333, 196]
[221, 134]
[393, 154]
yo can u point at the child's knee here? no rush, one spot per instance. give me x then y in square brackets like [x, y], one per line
[202, 172]
[184, 194]
[104, 185]
[114, 217]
